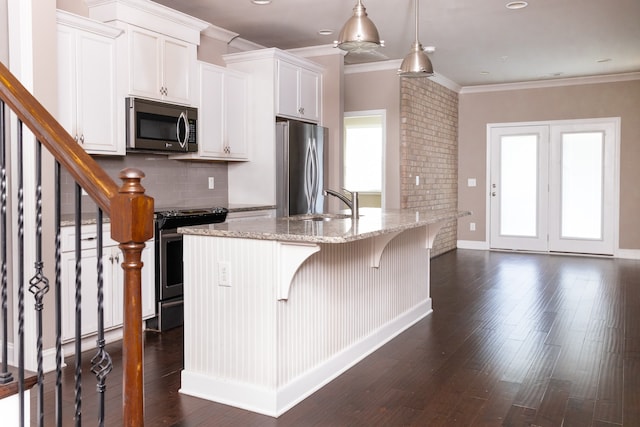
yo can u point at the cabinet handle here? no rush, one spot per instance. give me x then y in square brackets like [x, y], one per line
[82, 139]
[75, 138]
[301, 110]
[88, 239]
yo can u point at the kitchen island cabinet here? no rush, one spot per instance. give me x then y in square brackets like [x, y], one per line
[275, 308]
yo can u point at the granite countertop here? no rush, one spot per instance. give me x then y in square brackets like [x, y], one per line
[88, 218]
[238, 207]
[338, 229]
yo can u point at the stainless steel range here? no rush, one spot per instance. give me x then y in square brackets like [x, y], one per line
[168, 257]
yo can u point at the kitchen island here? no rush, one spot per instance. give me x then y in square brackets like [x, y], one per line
[275, 308]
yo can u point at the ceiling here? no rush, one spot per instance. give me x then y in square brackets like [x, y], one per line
[477, 41]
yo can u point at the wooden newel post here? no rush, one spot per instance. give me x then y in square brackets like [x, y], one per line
[131, 226]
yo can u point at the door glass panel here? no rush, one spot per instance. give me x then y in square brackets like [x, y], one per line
[582, 181]
[519, 185]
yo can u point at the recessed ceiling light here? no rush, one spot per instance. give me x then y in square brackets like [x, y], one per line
[604, 60]
[261, 2]
[484, 73]
[516, 5]
[557, 74]
[325, 32]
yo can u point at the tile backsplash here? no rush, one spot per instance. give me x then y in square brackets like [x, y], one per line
[172, 183]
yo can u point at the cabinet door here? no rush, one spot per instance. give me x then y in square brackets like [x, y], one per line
[222, 114]
[89, 292]
[144, 63]
[176, 69]
[116, 280]
[287, 91]
[211, 112]
[87, 89]
[236, 122]
[148, 281]
[67, 79]
[309, 94]
[96, 94]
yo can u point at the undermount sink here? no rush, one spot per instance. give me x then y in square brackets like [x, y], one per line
[318, 217]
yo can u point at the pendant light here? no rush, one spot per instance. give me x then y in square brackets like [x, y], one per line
[359, 34]
[416, 63]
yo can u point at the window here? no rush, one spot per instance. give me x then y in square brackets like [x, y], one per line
[362, 156]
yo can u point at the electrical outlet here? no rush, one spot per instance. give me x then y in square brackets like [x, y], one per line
[212, 183]
[224, 274]
[472, 226]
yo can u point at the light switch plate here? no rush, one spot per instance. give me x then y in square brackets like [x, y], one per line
[471, 182]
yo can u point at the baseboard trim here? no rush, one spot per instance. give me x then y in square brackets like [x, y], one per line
[628, 253]
[276, 401]
[473, 244]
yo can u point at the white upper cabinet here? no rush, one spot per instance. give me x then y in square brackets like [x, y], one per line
[87, 93]
[222, 115]
[159, 55]
[161, 67]
[298, 92]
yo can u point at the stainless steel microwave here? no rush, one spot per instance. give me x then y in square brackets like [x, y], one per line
[160, 127]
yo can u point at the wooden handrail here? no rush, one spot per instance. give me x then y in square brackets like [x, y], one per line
[131, 217]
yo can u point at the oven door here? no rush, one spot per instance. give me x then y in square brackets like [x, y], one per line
[171, 268]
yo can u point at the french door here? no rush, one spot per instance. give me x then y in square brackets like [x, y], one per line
[553, 187]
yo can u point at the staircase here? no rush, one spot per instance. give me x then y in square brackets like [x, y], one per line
[24, 286]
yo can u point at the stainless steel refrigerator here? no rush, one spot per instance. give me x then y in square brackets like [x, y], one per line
[301, 150]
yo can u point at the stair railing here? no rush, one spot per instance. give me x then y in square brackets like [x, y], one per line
[131, 217]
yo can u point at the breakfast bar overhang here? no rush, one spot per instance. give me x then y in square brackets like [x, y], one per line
[276, 308]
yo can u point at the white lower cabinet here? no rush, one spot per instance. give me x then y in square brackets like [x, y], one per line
[112, 282]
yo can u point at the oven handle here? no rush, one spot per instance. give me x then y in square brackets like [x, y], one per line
[171, 235]
[172, 303]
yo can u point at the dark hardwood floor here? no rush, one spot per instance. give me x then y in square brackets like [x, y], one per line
[514, 340]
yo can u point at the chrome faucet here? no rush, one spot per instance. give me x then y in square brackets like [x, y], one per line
[351, 203]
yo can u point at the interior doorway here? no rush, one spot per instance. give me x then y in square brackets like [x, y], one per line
[362, 155]
[554, 186]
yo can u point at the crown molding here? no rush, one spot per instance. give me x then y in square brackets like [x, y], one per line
[218, 33]
[394, 65]
[150, 15]
[320, 50]
[87, 24]
[539, 84]
[244, 45]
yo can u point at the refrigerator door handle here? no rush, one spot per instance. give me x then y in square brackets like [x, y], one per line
[308, 177]
[314, 174]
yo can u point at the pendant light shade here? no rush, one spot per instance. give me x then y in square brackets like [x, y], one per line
[416, 63]
[359, 34]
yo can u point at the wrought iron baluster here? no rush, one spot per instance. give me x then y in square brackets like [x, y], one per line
[78, 309]
[5, 375]
[39, 285]
[20, 277]
[101, 363]
[58, 296]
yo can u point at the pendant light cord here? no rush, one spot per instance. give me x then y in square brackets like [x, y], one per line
[417, 3]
